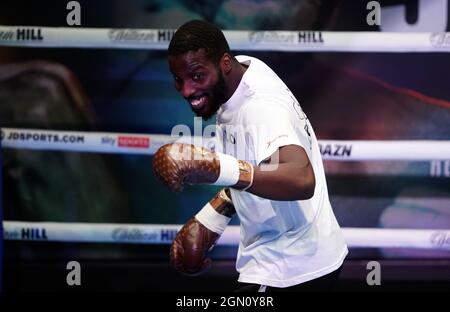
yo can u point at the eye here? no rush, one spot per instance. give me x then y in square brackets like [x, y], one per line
[197, 76]
[177, 81]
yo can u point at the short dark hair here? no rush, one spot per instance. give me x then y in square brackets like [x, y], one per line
[197, 34]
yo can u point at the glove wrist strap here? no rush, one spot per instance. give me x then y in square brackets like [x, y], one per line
[235, 173]
[212, 220]
[223, 204]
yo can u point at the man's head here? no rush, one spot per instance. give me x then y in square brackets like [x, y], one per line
[200, 61]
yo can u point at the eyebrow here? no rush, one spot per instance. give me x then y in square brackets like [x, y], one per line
[195, 66]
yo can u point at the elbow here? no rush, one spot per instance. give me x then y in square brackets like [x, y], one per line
[310, 183]
[311, 189]
[306, 187]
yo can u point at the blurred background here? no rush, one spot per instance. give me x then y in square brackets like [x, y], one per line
[347, 96]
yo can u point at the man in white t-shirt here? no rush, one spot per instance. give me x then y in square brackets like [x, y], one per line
[268, 158]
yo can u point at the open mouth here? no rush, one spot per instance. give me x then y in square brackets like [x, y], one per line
[198, 102]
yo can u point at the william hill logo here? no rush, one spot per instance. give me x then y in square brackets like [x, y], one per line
[167, 235]
[310, 37]
[165, 35]
[141, 35]
[28, 34]
[34, 234]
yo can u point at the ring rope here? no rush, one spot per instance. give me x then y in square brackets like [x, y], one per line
[148, 144]
[438, 239]
[293, 41]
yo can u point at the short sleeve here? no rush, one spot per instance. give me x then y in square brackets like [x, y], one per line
[270, 126]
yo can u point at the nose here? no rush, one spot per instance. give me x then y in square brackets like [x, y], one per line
[187, 90]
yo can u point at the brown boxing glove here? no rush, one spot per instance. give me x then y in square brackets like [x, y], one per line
[188, 253]
[176, 164]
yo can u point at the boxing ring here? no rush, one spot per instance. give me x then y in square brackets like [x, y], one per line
[147, 144]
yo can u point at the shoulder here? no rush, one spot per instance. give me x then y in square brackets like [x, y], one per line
[261, 81]
[264, 109]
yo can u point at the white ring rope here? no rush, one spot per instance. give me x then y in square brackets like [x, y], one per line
[105, 142]
[164, 234]
[158, 39]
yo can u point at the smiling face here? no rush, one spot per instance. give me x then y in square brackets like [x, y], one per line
[200, 82]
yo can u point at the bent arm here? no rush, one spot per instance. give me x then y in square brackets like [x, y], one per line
[288, 175]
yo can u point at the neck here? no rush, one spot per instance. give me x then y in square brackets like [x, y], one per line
[235, 78]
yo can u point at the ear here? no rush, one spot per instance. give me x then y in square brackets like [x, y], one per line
[226, 63]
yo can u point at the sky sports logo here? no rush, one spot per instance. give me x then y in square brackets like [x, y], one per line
[133, 141]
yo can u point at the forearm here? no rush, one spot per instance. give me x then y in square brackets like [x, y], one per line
[285, 181]
[286, 175]
[189, 249]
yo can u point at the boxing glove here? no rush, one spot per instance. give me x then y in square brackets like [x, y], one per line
[188, 252]
[176, 164]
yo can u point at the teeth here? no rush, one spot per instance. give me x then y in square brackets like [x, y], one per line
[197, 101]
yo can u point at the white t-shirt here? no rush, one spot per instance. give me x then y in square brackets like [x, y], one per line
[283, 243]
